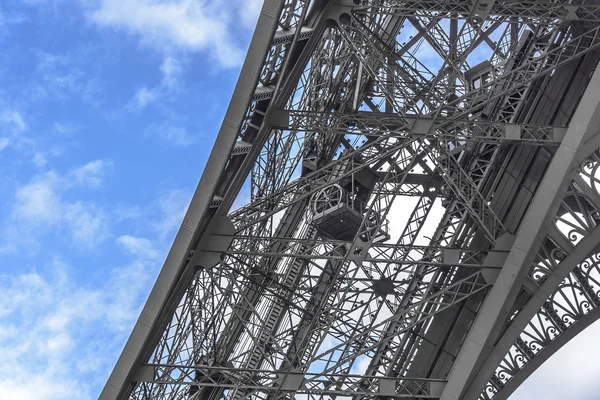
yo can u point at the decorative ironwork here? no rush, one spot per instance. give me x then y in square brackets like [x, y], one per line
[577, 295]
[388, 151]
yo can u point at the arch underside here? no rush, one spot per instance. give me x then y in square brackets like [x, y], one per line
[242, 317]
[567, 265]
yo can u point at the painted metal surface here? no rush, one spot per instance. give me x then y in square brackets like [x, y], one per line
[421, 181]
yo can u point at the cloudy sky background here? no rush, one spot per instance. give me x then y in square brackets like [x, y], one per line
[108, 109]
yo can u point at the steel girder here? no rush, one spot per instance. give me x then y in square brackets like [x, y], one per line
[345, 109]
[564, 277]
[548, 11]
[559, 199]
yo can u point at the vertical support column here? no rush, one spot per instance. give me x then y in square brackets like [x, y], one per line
[496, 307]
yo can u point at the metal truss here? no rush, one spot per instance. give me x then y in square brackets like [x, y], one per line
[538, 11]
[455, 132]
[313, 384]
[566, 270]
[390, 156]
[328, 249]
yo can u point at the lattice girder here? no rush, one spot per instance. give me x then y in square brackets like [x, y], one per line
[379, 103]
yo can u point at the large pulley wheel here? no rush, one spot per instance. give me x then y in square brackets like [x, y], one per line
[327, 198]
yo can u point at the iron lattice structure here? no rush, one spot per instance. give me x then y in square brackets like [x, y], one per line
[423, 213]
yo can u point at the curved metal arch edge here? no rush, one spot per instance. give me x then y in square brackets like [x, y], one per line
[587, 246]
[583, 250]
[547, 352]
[465, 379]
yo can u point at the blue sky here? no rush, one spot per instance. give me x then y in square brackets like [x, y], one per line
[108, 110]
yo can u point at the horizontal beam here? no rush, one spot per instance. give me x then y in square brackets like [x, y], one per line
[292, 381]
[325, 249]
[539, 10]
[367, 259]
[394, 125]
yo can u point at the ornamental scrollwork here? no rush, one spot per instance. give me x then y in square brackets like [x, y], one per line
[548, 257]
[569, 303]
[540, 331]
[577, 295]
[590, 172]
[576, 216]
[590, 269]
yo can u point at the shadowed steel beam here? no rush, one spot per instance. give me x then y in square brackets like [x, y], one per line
[496, 308]
[310, 383]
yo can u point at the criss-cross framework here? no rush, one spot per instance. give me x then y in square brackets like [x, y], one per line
[421, 208]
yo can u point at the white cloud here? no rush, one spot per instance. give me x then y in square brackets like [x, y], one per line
[144, 97]
[50, 61]
[361, 364]
[249, 10]
[162, 217]
[56, 334]
[140, 247]
[87, 223]
[179, 24]
[12, 125]
[173, 207]
[173, 134]
[91, 173]
[37, 201]
[15, 130]
[39, 159]
[16, 119]
[59, 72]
[31, 350]
[65, 74]
[43, 204]
[171, 73]
[64, 129]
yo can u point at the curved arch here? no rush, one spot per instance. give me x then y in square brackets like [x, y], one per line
[587, 246]
[517, 354]
[547, 352]
[515, 285]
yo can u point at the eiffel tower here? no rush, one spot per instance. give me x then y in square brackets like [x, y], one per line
[420, 209]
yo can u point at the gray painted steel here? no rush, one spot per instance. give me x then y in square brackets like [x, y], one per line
[497, 307]
[423, 213]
